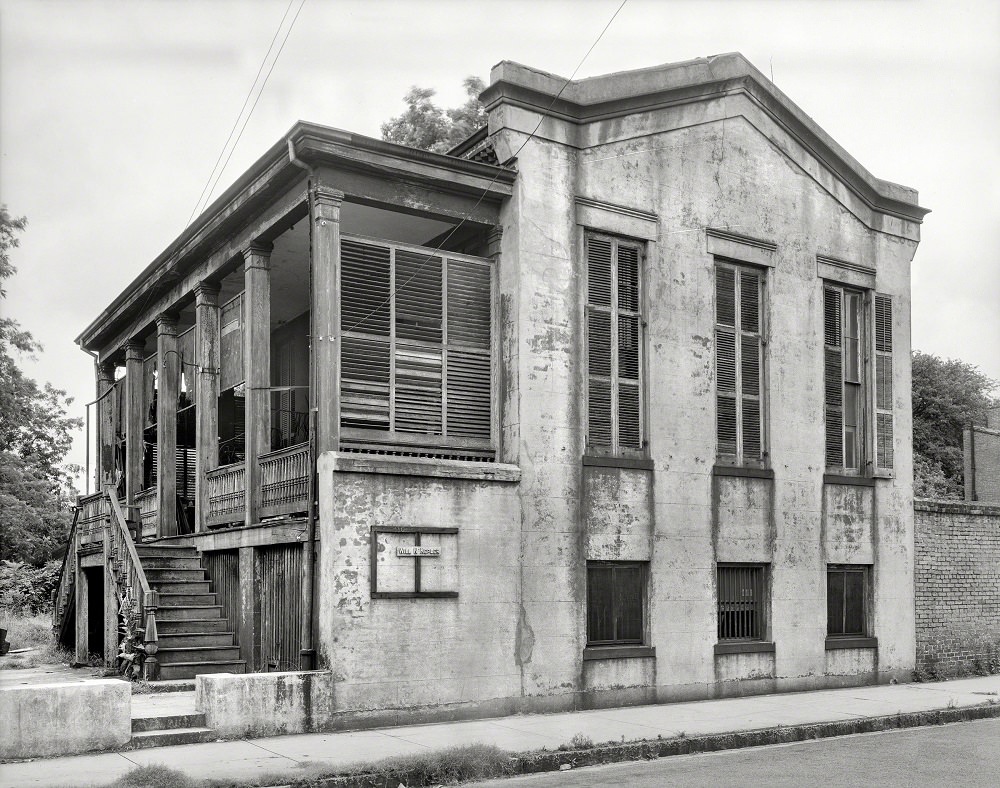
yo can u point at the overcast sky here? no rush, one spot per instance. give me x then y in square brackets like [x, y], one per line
[112, 115]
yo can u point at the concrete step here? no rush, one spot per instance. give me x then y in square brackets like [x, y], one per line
[144, 739]
[189, 626]
[170, 562]
[170, 655]
[195, 639]
[167, 722]
[181, 586]
[188, 612]
[159, 575]
[173, 599]
[187, 670]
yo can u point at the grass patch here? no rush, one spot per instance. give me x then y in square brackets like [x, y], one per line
[155, 775]
[34, 631]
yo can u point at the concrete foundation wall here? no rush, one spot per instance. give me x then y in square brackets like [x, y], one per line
[45, 720]
[957, 588]
[266, 704]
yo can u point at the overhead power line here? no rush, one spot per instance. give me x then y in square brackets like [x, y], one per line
[216, 174]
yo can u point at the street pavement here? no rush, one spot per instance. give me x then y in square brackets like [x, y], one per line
[963, 754]
[521, 733]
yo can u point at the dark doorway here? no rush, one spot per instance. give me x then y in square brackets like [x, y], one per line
[95, 612]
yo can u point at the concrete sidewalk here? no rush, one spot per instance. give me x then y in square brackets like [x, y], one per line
[286, 754]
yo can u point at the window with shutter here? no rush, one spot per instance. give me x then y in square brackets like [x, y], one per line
[739, 360]
[883, 383]
[614, 346]
[415, 351]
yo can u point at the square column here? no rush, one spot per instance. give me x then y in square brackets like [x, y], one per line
[325, 366]
[206, 393]
[167, 386]
[105, 465]
[257, 368]
[134, 419]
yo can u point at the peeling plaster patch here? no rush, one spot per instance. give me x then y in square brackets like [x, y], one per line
[524, 642]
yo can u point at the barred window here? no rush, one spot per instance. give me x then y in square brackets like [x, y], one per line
[416, 351]
[742, 595]
[615, 603]
[739, 363]
[614, 346]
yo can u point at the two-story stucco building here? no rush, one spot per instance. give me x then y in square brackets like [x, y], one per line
[609, 405]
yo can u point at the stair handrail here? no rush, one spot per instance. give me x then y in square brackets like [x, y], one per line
[130, 574]
[67, 580]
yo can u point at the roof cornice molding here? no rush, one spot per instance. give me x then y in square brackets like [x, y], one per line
[646, 90]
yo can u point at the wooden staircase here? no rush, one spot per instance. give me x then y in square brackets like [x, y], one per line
[194, 637]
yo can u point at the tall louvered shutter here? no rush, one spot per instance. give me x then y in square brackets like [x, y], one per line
[629, 348]
[468, 369]
[419, 380]
[750, 365]
[600, 433]
[883, 383]
[833, 376]
[725, 360]
[365, 309]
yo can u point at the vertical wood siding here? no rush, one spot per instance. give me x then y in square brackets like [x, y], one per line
[279, 599]
[223, 567]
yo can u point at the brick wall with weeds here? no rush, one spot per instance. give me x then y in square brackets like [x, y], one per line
[957, 589]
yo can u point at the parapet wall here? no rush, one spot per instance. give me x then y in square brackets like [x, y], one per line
[957, 587]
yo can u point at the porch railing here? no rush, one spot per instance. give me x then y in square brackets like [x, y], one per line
[284, 481]
[146, 503]
[94, 513]
[62, 596]
[226, 496]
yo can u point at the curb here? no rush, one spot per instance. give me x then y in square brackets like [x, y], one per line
[651, 749]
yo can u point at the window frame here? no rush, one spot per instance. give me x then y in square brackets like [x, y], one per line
[739, 458]
[862, 386]
[614, 379]
[642, 568]
[407, 443]
[865, 571]
[761, 606]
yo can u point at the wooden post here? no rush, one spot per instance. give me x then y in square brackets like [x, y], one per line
[104, 468]
[245, 615]
[325, 258]
[82, 608]
[206, 393]
[134, 420]
[110, 600]
[168, 384]
[257, 368]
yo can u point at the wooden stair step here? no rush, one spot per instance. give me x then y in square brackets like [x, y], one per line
[187, 670]
[171, 655]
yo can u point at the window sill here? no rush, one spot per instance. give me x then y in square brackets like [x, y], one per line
[837, 643]
[617, 652]
[636, 463]
[849, 481]
[745, 647]
[424, 466]
[744, 471]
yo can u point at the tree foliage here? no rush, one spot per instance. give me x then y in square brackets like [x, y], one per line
[948, 395]
[36, 491]
[425, 125]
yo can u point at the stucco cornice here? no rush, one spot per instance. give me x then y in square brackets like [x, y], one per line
[646, 90]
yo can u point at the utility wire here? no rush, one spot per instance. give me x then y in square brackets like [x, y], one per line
[206, 192]
[482, 197]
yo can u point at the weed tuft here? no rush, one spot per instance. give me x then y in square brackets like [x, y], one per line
[154, 775]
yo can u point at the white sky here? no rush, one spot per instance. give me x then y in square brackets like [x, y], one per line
[113, 113]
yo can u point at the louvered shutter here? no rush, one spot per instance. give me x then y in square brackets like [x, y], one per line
[629, 346]
[600, 431]
[833, 376]
[468, 369]
[750, 365]
[725, 360]
[883, 383]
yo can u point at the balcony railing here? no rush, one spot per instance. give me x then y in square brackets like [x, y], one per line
[284, 481]
[226, 494]
[146, 503]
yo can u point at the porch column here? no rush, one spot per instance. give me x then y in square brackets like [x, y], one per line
[134, 419]
[110, 607]
[206, 393]
[257, 367]
[82, 592]
[105, 465]
[167, 384]
[325, 367]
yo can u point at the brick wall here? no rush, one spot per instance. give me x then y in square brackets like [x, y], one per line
[957, 587]
[982, 464]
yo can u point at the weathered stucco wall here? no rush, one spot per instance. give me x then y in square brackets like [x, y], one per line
[515, 636]
[957, 588]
